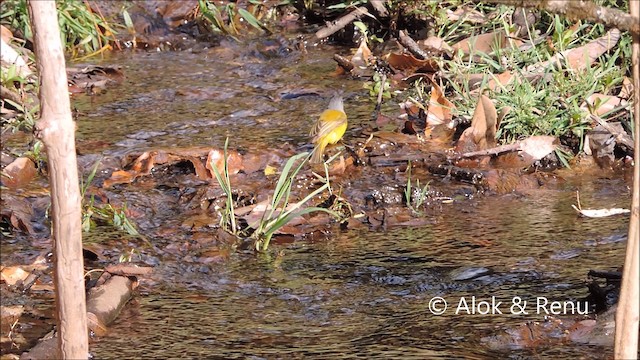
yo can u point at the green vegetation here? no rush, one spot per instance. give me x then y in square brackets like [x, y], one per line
[415, 195]
[84, 32]
[280, 210]
[23, 103]
[105, 213]
[547, 104]
[228, 18]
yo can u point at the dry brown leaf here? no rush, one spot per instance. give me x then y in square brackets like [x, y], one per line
[408, 62]
[600, 104]
[466, 14]
[482, 132]
[13, 275]
[19, 173]
[581, 57]
[439, 109]
[485, 43]
[627, 89]
[216, 157]
[537, 147]
[363, 56]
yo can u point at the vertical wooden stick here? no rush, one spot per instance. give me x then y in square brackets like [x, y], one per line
[627, 315]
[57, 131]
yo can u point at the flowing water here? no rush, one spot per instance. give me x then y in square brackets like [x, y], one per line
[357, 293]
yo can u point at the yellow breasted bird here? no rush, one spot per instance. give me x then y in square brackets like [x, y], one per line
[329, 128]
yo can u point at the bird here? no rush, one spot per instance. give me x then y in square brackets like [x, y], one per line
[329, 128]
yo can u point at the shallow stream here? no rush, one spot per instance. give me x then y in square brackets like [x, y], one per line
[357, 293]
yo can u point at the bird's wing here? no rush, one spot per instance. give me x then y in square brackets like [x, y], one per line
[323, 128]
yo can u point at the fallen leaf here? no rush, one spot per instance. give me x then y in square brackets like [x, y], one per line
[19, 173]
[216, 158]
[537, 147]
[13, 275]
[439, 108]
[466, 14]
[598, 213]
[482, 132]
[485, 43]
[600, 104]
[581, 57]
[627, 89]
[409, 63]
[362, 58]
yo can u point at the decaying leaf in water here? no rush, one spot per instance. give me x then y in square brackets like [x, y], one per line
[200, 158]
[18, 211]
[597, 213]
[13, 275]
[482, 132]
[19, 173]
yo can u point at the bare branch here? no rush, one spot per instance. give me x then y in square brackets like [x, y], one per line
[580, 10]
[331, 28]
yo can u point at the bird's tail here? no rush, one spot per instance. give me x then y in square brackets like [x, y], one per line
[318, 152]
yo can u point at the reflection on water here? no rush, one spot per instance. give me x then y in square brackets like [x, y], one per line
[365, 294]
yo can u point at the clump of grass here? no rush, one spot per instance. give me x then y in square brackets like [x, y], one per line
[25, 107]
[228, 18]
[551, 103]
[415, 195]
[281, 210]
[106, 213]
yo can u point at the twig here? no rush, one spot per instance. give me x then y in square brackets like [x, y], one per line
[493, 151]
[341, 22]
[343, 62]
[378, 6]
[580, 10]
[412, 46]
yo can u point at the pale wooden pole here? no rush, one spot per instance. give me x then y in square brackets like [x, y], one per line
[628, 313]
[57, 131]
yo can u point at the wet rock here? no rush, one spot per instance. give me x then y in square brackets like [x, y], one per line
[471, 273]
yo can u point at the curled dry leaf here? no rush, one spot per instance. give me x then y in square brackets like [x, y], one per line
[439, 109]
[410, 64]
[482, 132]
[13, 275]
[216, 157]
